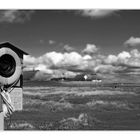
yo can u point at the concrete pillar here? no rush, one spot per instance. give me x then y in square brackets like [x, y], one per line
[1, 116]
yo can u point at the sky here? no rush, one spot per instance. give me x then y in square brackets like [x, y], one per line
[94, 40]
[42, 31]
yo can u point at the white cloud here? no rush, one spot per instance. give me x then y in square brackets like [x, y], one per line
[44, 68]
[124, 55]
[28, 59]
[96, 13]
[76, 62]
[29, 62]
[90, 49]
[121, 58]
[135, 53]
[126, 59]
[42, 75]
[132, 41]
[72, 61]
[52, 58]
[15, 16]
[104, 68]
[72, 58]
[61, 60]
[55, 62]
[68, 48]
[87, 57]
[51, 42]
[111, 59]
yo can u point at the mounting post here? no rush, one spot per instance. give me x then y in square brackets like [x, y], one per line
[1, 115]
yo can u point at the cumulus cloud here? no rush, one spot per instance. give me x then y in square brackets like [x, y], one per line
[15, 16]
[124, 55]
[107, 68]
[68, 48]
[87, 57]
[28, 59]
[97, 13]
[69, 63]
[51, 42]
[135, 53]
[90, 49]
[73, 61]
[52, 57]
[121, 58]
[132, 42]
[44, 68]
[65, 60]
[29, 62]
[120, 63]
[68, 60]
[126, 59]
[111, 59]
[42, 76]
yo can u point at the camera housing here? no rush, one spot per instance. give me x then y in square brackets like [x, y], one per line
[11, 72]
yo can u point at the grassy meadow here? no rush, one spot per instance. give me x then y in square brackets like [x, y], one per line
[77, 106]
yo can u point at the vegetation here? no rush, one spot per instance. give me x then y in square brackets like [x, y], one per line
[66, 107]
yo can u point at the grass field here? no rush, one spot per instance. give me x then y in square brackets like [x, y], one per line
[78, 106]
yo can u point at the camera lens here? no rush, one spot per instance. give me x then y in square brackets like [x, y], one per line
[7, 65]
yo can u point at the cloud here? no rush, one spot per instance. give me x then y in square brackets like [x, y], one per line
[132, 42]
[28, 59]
[44, 68]
[75, 62]
[72, 61]
[29, 62]
[68, 48]
[42, 76]
[51, 42]
[111, 59]
[59, 60]
[96, 13]
[135, 53]
[51, 58]
[107, 68]
[125, 59]
[120, 63]
[87, 57]
[15, 16]
[90, 49]
[124, 55]
[68, 63]
[121, 58]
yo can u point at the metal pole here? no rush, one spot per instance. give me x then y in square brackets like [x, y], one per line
[1, 115]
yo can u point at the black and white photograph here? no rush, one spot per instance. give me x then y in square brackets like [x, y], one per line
[69, 69]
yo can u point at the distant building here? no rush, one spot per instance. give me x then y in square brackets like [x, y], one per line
[79, 77]
[87, 77]
[97, 81]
